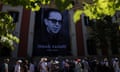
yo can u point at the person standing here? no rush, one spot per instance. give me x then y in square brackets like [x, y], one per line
[25, 66]
[18, 67]
[78, 66]
[86, 67]
[32, 66]
[43, 66]
[116, 65]
[5, 66]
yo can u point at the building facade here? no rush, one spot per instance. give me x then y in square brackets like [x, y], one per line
[79, 43]
[25, 22]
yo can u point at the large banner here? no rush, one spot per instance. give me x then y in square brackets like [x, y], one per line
[51, 33]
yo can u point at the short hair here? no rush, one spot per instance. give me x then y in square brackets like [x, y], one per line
[47, 12]
[6, 60]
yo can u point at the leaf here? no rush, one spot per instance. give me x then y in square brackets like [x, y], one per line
[36, 8]
[6, 29]
[63, 4]
[69, 6]
[76, 16]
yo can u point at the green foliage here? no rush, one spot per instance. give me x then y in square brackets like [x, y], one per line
[100, 8]
[16, 2]
[95, 10]
[33, 5]
[104, 31]
[45, 2]
[63, 4]
[6, 23]
[7, 26]
[76, 15]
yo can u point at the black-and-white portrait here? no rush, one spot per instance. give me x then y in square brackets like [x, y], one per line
[51, 34]
[53, 21]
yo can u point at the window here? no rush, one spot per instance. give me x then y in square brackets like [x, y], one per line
[15, 15]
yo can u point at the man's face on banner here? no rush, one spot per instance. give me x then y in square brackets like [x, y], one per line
[54, 22]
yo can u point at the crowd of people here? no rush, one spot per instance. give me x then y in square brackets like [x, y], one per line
[61, 64]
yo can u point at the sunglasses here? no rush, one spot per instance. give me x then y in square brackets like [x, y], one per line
[55, 21]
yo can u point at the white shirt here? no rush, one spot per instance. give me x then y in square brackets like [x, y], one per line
[17, 68]
[32, 67]
[44, 67]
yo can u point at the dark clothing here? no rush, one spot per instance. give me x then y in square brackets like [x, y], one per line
[52, 44]
[3, 67]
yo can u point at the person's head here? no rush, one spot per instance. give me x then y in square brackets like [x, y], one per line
[19, 62]
[6, 60]
[53, 20]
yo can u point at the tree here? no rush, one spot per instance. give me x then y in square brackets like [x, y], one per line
[97, 9]
[94, 10]
[105, 34]
[7, 39]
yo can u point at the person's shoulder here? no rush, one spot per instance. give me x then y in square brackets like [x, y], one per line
[61, 35]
